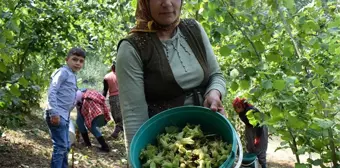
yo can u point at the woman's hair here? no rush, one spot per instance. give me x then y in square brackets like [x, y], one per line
[239, 102]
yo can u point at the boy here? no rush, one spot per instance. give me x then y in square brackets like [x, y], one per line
[111, 85]
[61, 98]
[256, 135]
[92, 113]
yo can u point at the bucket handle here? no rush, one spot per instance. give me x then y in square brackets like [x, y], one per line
[240, 149]
[250, 163]
[233, 153]
[232, 157]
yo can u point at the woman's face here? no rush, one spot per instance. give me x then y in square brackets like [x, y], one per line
[239, 109]
[165, 12]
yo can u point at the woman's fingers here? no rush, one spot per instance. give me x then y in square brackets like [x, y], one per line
[221, 110]
[214, 105]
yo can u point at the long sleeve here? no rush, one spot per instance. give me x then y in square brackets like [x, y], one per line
[185, 67]
[131, 87]
[106, 111]
[78, 106]
[106, 87]
[216, 78]
[57, 78]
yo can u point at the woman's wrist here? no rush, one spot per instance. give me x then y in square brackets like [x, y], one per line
[214, 92]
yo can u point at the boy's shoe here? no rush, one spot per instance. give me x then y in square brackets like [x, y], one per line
[116, 132]
[104, 147]
[86, 139]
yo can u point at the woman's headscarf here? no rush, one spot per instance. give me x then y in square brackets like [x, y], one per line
[144, 21]
[79, 95]
[241, 103]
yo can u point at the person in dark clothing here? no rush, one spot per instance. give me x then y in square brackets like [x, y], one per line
[256, 135]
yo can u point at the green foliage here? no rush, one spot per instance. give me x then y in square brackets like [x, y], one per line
[92, 75]
[36, 35]
[282, 55]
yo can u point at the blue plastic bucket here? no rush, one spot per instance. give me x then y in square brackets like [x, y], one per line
[211, 122]
[249, 160]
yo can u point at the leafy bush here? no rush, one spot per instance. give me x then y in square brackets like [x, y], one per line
[92, 75]
[35, 37]
[283, 55]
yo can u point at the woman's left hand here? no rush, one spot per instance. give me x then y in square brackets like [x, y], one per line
[213, 101]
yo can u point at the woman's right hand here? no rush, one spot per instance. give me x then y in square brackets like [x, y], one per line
[213, 101]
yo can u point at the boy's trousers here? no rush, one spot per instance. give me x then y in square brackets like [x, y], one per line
[61, 144]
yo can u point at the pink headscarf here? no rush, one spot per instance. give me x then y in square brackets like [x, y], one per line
[79, 96]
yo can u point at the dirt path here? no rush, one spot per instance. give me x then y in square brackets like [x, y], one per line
[31, 146]
[284, 157]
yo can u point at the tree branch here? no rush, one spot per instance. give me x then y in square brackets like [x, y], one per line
[24, 55]
[246, 36]
[298, 53]
[289, 30]
[244, 33]
[294, 145]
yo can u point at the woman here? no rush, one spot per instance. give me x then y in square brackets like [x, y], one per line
[256, 135]
[165, 62]
[92, 113]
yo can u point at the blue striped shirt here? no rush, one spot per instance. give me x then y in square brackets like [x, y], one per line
[62, 92]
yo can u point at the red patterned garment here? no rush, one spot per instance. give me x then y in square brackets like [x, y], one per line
[93, 106]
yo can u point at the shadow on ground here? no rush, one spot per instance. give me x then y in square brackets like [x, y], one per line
[26, 146]
[36, 129]
[92, 157]
[31, 146]
[17, 154]
[279, 165]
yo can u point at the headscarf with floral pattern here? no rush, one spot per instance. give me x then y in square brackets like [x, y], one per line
[145, 22]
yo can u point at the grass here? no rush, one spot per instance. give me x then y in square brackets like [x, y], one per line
[92, 75]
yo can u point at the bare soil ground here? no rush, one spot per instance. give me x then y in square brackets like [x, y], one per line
[31, 147]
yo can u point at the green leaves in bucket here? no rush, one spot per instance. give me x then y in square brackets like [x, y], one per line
[185, 148]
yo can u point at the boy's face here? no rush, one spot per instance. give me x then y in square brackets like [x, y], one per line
[75, 62]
